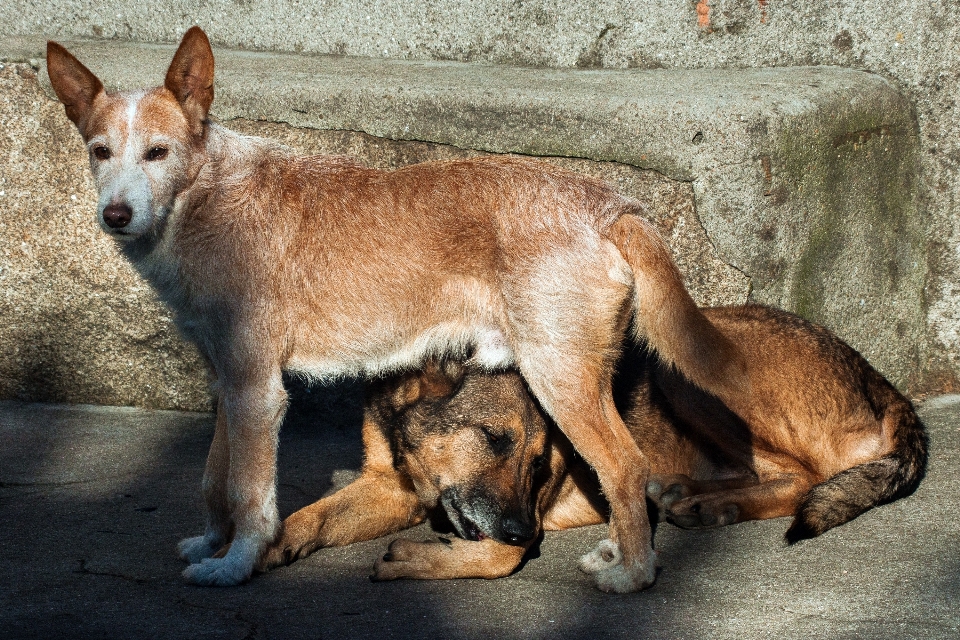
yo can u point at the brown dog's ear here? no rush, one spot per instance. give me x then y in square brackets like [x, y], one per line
[436, 380]
[190, 78]
[74, 84]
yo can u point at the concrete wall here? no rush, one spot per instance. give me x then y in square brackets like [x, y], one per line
[855, 225]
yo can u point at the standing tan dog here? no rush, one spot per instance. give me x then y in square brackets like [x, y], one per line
[272, 262]
[833, 439]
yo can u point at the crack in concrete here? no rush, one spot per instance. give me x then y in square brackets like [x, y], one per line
[253, 627]
[479, 149]
[717, 252]
[115, 533]
[84, 570]
[62, 483]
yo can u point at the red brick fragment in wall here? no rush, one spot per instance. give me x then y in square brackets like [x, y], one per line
[703, 14]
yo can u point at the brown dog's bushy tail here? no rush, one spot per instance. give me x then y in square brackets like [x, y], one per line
[858, 489]
[667, 318]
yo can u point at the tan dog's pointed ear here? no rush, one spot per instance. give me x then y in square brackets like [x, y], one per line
[190, 78]
[435, 380]
[74, 84]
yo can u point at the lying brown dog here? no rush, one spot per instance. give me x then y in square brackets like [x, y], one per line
[828, 440]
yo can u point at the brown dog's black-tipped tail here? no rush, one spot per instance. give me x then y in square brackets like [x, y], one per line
[850, 493]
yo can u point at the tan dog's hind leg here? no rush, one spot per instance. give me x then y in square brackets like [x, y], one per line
[219, 527]
[567, 361]
[590, 420]
[374, 505]
[770, 499]
[448, 558]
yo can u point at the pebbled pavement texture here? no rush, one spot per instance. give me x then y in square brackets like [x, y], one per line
[94, 499]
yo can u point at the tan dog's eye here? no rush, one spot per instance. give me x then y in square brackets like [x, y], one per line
[538, 461]
[100, 152]
[157, 153]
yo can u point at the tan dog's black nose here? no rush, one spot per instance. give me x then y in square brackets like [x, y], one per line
[117, 216]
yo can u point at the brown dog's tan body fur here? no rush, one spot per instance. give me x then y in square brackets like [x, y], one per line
[274, 262]
[832, 439]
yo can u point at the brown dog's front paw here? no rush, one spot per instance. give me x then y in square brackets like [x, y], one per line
[278, 555]
[409, 559]
[692, 513]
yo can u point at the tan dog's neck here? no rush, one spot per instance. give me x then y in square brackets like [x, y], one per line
[199, 216]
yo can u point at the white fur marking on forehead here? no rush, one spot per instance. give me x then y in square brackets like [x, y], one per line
[130, 146]
[133, 104]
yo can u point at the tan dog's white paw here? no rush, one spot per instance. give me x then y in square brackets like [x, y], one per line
[197, 548]
[234, 568]
[605, 555]
[612, 575]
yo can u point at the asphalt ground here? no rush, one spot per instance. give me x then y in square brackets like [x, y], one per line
[93, 501]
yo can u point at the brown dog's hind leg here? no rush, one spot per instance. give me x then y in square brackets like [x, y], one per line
[448, 558]
[770, 499]
[666, 489]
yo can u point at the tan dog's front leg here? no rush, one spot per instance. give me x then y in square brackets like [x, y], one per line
[448, 558]
[374, 505]
[219, 524]
[254, 405]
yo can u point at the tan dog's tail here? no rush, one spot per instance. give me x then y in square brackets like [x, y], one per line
[667, 318]
[856, 490]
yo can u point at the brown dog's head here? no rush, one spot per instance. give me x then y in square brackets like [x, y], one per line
[473, 443]
[144, 145]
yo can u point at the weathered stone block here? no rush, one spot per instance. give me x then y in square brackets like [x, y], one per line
[790, 186]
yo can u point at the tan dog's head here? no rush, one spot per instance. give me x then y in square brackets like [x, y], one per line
[144, 146]
[474, 443]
